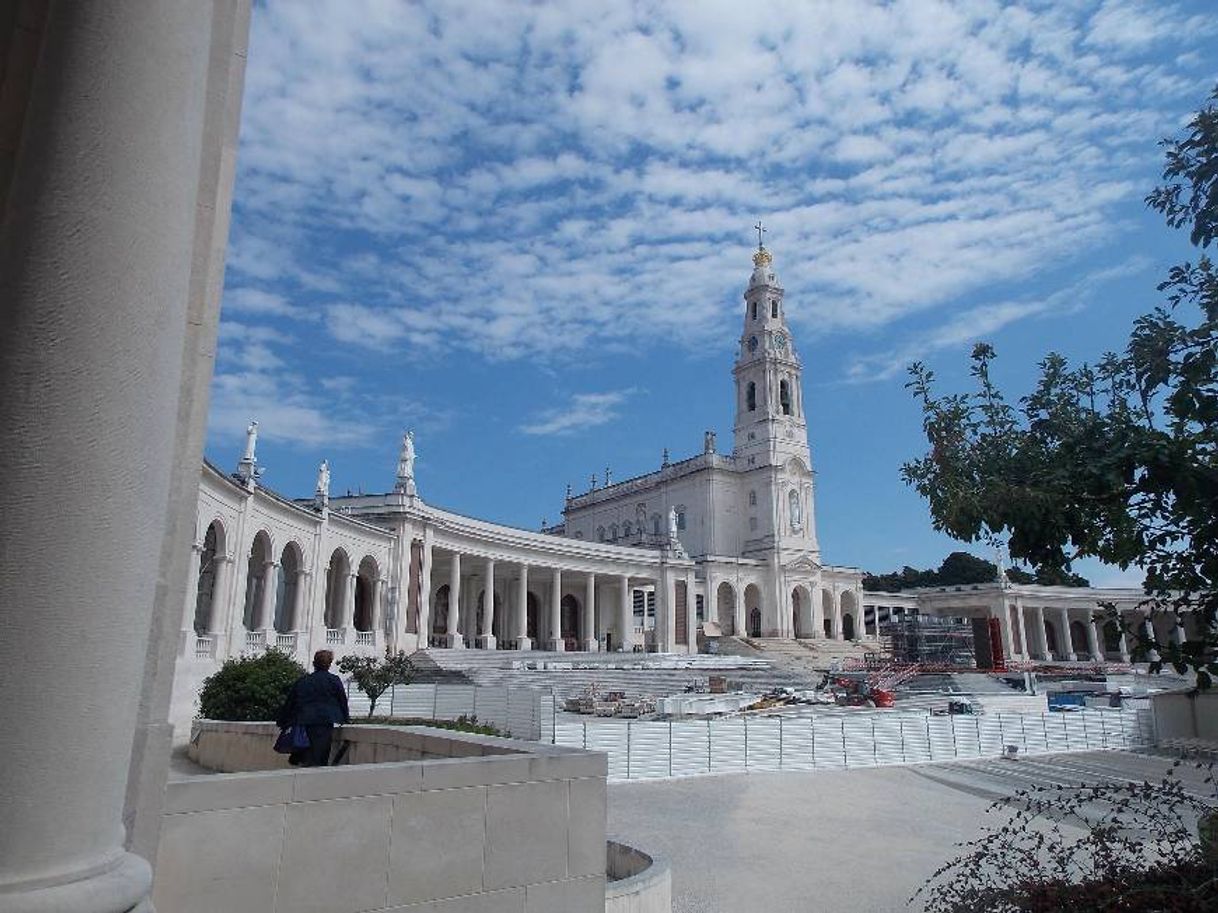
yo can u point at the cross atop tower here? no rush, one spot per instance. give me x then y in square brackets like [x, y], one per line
[761, 230]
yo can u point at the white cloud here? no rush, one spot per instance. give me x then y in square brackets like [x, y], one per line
[588, 172]
[584, 411]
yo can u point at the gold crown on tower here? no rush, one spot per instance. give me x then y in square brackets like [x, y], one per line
[762, 257]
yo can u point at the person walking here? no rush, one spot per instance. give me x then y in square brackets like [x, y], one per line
[316, 701]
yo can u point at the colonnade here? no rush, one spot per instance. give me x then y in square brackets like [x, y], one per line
[486, 604]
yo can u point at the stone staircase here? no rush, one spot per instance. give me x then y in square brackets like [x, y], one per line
[636, 674]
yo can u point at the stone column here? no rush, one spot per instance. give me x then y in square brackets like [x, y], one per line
[486, 637]
[270, 589]
[837, 616]
[522, 610]
[691, 612]
[455, 639]
[1025, 648]
[348, 624]
[1093, 640]
[186, 642]
[1123, 644]
[1042, 634]
[376, 597]
[625, 615]
[711, 606]
[1066, 648]
[300, 603]
[95, 261]
[423, 618]
[220, 605]
[1148, 633]
[555, 641]
[589, 626]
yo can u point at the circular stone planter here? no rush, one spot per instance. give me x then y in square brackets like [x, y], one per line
[636, 882]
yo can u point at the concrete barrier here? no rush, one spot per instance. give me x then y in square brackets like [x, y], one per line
[635, 881]
[473, 824]
[1186, 715]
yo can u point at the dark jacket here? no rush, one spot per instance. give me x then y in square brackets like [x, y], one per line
[313, 700]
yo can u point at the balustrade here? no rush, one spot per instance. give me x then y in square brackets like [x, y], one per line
[336, 637]
[286, 642]
[205, 647]
[365, 638]
[255, 640]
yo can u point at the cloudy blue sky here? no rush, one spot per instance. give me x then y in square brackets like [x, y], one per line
[523, 230]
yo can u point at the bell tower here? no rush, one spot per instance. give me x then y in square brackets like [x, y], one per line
[771, 432]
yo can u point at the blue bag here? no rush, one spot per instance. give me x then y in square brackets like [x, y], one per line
[293, 738]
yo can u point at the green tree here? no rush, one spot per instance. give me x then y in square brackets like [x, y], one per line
[249, 688]
[375, 676]
[1117, 461]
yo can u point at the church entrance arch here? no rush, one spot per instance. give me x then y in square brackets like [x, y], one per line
[569, 619]
[725, 608]
[205, 597]
[752, 604]
[851, 629]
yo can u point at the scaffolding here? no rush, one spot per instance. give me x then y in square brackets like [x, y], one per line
[931, 641]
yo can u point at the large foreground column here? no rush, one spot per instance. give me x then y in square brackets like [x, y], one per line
[95, 265]
[1066, 649]
[588, 625]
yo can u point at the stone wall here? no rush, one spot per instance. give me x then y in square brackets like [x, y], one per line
[1181, 715]
[519, 829]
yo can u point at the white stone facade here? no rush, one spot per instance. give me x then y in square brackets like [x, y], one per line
[724, 540]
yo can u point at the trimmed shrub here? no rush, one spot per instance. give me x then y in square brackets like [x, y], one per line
[250, 688]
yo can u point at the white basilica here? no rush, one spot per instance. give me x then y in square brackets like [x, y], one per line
[725, 543]
[716, 544]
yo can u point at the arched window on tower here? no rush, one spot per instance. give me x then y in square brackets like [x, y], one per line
[627, 530]
[613, 532]
[750, 396]
[754, 310]
[680, 516]
[774, 308]
[784, 396]
[752, 498]
[600, 534]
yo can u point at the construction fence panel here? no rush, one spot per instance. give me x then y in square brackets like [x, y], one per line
[690, 749]
[860, 741]
[764, 748]
[727, 745]
[991, 735]
[915, 734]
[453, 701]
[967, 736]
[889, 739]
[686, 748]
[941, 734]
[798, 744]
[650, 750]
[829, 741]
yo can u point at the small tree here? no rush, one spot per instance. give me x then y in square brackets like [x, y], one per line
[375, 676]
[1117, 461]
[249, 688]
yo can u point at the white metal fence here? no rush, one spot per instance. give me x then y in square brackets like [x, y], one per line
[639, 750]
[527, 713]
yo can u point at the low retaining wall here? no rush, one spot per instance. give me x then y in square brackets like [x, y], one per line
[476, 824]
[636, 882]
[1185, 715]
[245, 747]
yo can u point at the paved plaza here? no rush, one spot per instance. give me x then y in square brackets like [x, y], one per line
[856, 841]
